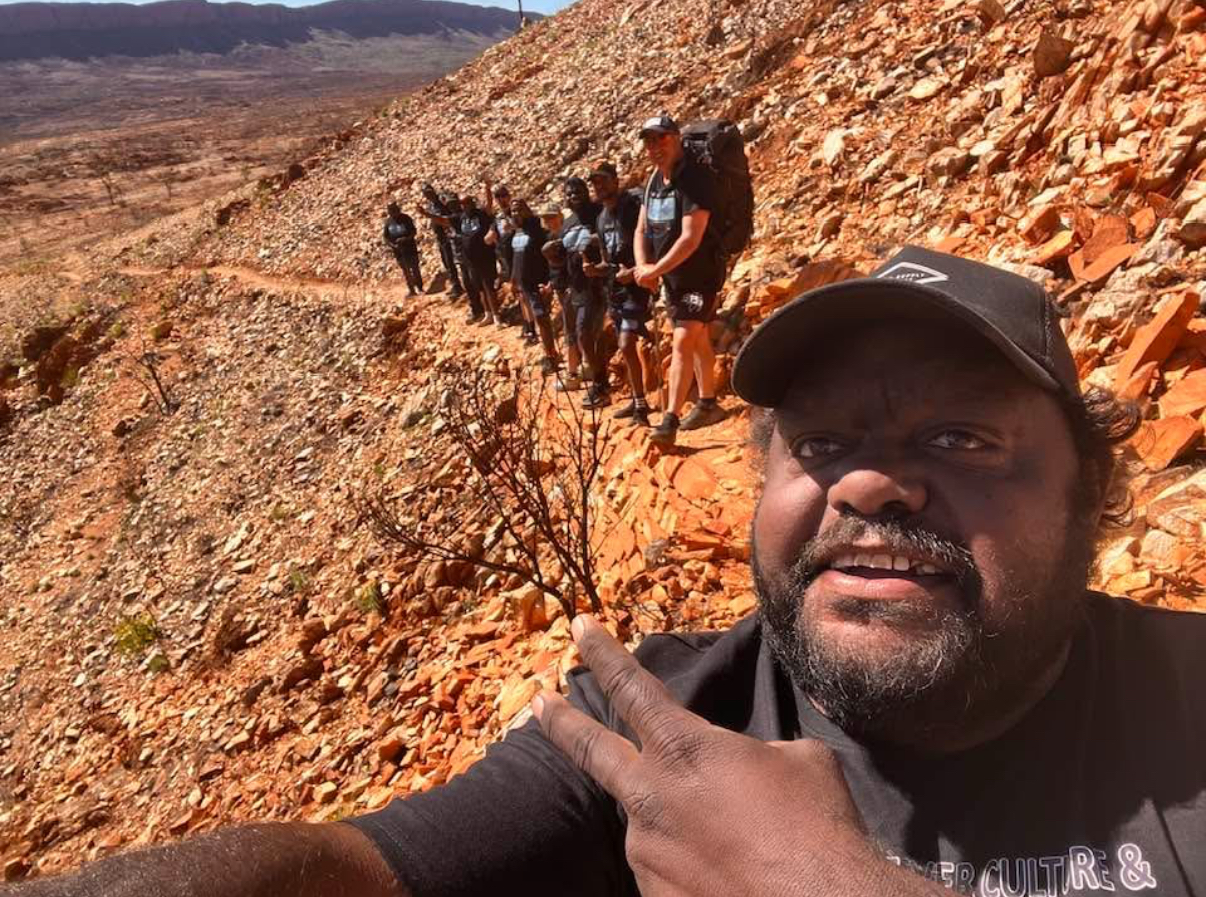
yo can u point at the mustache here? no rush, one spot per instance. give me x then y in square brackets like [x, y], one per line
[898, 535]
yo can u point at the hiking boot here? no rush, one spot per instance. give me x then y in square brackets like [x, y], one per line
[627, 411]
[703, 416]
[666, 432]
[568, 383]
[548, 366]
[640, 417]
[596, 397]
[473, 318]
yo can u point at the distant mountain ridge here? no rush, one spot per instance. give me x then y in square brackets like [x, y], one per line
[80, 31]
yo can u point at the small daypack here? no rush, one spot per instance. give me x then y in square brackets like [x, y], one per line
[718, 145]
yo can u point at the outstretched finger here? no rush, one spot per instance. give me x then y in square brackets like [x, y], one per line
[603, 755]
[637, 695]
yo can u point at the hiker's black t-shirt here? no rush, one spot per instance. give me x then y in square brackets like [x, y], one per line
[473, 227]
[576, 236]
[1100, 788]
[504, 230]
[692, 187]
[401, 233]
[440, 210]
[617, 228]
[529, 268]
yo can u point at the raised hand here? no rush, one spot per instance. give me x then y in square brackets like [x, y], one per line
[712, 812]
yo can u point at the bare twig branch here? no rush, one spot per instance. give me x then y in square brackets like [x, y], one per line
[536, 485]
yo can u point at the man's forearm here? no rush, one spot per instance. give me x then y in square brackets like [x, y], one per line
[331, 860]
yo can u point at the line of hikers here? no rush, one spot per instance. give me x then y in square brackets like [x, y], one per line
[608, 259]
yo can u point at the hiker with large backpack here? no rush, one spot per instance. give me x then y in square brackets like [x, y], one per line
[696, 214]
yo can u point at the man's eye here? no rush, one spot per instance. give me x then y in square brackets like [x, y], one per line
[958, 439]
[811, 447]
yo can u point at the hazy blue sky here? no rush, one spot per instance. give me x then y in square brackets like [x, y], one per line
[545, 6]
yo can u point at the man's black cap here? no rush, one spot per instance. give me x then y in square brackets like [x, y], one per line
[603, 170]
[1014, 313]
[659, 124]
[575, 182]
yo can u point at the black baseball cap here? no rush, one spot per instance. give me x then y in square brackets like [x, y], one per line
[659, 124]
[603, 170]
[1013, 312]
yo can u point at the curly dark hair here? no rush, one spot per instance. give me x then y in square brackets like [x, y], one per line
[1101, 423]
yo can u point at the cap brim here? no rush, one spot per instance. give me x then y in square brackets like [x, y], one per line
[773, 355]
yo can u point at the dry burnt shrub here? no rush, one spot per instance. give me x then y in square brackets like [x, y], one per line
[526, 509]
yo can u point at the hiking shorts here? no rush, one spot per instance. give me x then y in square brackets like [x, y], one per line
[534, 299]
[482, 272]
[588, 320]
[629, 313]
[692, 306]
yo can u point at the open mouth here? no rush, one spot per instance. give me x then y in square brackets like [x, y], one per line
[881, 566]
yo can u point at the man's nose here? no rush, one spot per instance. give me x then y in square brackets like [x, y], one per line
[870, 492]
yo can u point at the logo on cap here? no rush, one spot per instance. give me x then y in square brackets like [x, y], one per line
[913, 273]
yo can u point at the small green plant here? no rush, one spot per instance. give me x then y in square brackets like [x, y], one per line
[133, 635]
[299, 583]
[70, 378]
[279, 513]
[158, 664]
[368, 599]
[379, 470]
[117, 331]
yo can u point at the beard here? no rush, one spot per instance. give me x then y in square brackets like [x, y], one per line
[961, 665]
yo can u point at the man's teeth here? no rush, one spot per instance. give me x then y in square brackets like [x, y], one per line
[884, 562]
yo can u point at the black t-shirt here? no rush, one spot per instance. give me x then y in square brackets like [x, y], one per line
[692, 188]
[503, 230]
[400, 233]
[473, 227]
[437, 208]
[617, 228]
[576, 236]
[1101, 787]
[529, 268]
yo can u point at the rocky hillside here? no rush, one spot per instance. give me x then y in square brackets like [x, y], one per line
[197, 629]
[82, 31]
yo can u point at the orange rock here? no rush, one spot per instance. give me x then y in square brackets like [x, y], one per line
[1157, 339]
[1058, 247]
[1194, 336]
[983, 218]
[950, 243]
[1160, 204]
[1160, 442]
[1193, 19]
[1039, 225]
[694, 481]
[1103, 265]
[1139, 383]
[1084, 221]
[1144, 222]
[1187, 397]
[1109, 232]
